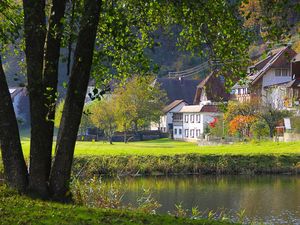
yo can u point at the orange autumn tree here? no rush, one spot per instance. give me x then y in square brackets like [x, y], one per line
[241, 125]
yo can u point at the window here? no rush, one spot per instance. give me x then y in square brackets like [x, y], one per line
[175, 131]
[192, 133]
[180, 132]
[281, 72]
[192, 118]
[197, 133]
[278, 72]
[186, 131]
[284, 72]
[186, 118]
[198, 118]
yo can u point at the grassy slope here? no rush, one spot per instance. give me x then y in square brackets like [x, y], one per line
[170, 147]
[22, 210]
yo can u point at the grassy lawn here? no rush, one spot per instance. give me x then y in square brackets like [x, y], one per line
[171, 147]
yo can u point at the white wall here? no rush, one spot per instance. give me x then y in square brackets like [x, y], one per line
[167, 119]
[270, 79]
[196, 125]
[275, 96]
[177, 135]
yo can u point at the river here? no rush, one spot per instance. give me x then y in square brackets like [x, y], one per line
[267, 198]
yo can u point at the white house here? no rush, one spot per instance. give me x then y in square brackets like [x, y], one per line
[166, 121]
[190, 122]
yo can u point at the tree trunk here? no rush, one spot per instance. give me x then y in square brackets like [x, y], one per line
[51, 74]
[13, 160]
[77, 88]
[35, 33]
[125, 135]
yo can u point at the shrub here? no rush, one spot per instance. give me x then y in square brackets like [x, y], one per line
[260, 129]
[295, 122]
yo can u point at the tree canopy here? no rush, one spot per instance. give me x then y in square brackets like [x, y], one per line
[107, 39]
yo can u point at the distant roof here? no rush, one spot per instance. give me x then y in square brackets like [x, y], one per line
[199, 108]
[210, 108]
[273, 57]
[190, 108]
[172, 105]
[296, 58]
[184, 89]
[214, 88]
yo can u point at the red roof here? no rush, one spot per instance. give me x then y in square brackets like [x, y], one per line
[210, 109]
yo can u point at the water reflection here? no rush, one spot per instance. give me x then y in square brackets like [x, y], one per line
[271, 199]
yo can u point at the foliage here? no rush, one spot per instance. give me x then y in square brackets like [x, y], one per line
[270, 19]
[295, 123]
[92, 193]
[23, 210]
[193, 163]
[260, 129]
[11, 17]
[273, 117]
[58, 113]
[138, 103]
[103, 116]
[85, 118]
[244, 109]
[220, 128]
[241, 125]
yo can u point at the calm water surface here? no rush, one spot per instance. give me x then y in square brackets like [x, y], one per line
[268, 199]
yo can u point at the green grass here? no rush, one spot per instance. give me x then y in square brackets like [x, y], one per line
[16, 209]
[170, 147]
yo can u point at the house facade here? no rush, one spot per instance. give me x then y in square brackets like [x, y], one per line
[190, 122]
[166, 121]
[272, 81]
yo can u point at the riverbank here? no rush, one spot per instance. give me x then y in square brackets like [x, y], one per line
[16, 209]
[122, 165]
[168, 157]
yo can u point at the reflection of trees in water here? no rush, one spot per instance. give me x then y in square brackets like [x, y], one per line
[261, 196]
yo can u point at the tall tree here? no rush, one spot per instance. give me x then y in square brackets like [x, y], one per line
[139, 103]
[103, 116]
[113, 35]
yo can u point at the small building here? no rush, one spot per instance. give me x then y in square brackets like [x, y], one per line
[190, 122]
[166, 121]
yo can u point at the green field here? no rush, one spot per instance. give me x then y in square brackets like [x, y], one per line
[170, 147]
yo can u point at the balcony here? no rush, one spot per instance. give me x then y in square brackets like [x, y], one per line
[243, 97]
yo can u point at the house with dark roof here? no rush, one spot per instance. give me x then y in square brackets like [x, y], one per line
[212, 89]
[272, 81]
[192, 105]
[178, 88]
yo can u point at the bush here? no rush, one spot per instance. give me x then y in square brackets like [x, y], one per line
[219, 128]
[295, 122]
[260, 129]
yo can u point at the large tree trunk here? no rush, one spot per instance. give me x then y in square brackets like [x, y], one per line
[77, 87]
[51, 73]
[13, 160]
[35, 33]
[42, 82]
